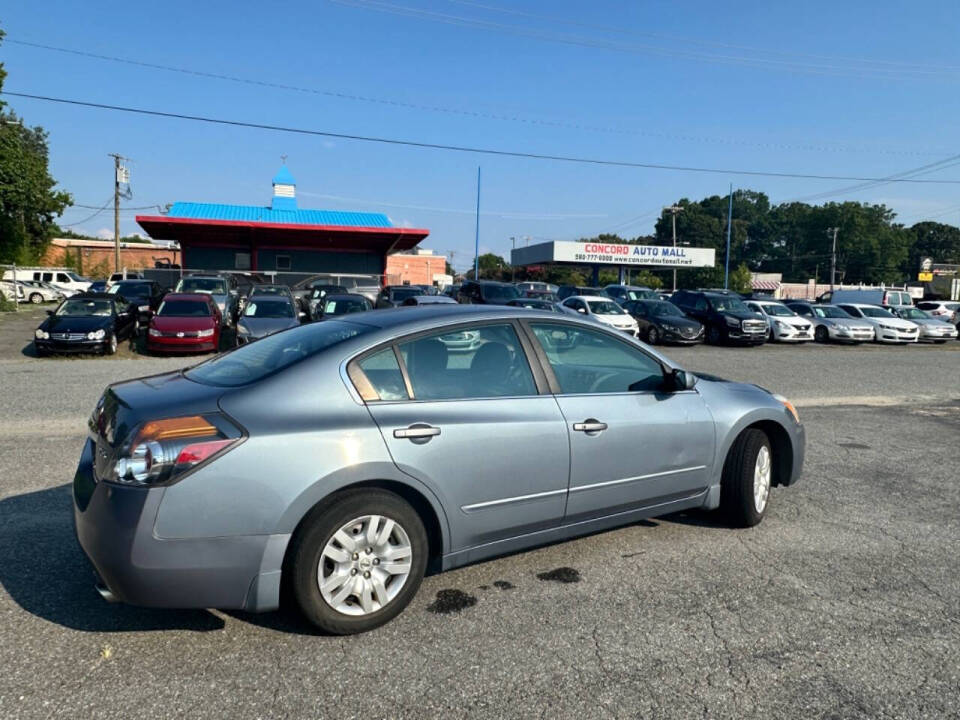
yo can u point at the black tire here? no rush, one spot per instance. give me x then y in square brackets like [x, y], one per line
[821, 335]
[36, 298]
[714, 336]
[110, 346]
[313, 535]
[736, 485]
[653, 335]
[771, 336]
[41, 352]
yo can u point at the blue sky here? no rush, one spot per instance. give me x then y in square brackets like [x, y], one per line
[852, 88]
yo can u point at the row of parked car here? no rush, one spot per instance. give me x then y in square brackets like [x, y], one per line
[192, 316]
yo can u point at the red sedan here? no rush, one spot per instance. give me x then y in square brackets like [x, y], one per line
[185, 323]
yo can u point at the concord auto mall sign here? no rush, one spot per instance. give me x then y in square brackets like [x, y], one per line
[601, 253]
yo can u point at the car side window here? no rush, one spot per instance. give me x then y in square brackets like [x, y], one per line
[591, 361]
[379, 377]
[476, 362]
[852, 310]
[701, 304]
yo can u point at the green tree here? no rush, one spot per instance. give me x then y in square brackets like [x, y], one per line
[740, 279]
[29, 201]
[931, 239]
[492, 267]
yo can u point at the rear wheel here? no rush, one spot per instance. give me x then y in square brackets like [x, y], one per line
[747, 479]
[357, 562]
[820, 334]
[111, 347]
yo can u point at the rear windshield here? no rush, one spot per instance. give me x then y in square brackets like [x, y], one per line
[404, 293]
[830, 311]
[253, 362]
[342, 306]
[184, 308]
[262, 308]
[665, 309]
[130, 289]
[500, 292]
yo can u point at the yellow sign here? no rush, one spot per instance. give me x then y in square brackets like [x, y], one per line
[925, 277]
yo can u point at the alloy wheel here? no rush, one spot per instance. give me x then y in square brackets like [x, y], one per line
[364, 565]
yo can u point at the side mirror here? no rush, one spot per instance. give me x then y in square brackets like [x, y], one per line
[49, 312]
[683, 380]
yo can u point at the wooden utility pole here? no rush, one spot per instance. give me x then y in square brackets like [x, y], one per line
[116, 210]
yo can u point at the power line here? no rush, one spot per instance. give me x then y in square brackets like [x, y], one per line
[91, 217]
[583, 41]
[463, 148]
[680, 137]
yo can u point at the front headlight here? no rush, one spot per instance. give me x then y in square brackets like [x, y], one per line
[782, 325]
[143, 308]
[205, 333]
[888, 327]
[41, 334]
[97, 334]
[789, 406]
[842, 327]
[153, 332]
[732, 322]
[221, 306]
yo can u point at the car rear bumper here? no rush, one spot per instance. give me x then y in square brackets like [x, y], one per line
[114, 526]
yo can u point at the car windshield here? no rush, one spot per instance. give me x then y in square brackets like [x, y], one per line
[728, 304]
[253, 362]
[404, 293]
[500, 292]
[605, 307]
[184, 308]
[343, 306]
[913, 313]
[876, 312]
[130, 289]
[777, 310]
[263, 308]
[80, 307]
[268, 290]
[830, 311]
[952, 306]
[214, 286]
[641, 295]
[665, 309]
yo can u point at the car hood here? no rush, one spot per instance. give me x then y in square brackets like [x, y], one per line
[744, 315]
[681, 322]
[618, 320]
[259, 327]
[930, 321]
[172, 323]
[892, 322]
[75, 323]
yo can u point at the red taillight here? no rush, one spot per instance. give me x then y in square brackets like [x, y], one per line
[197, 453]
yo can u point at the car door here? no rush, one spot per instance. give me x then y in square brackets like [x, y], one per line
[633, 442]
[465, 416]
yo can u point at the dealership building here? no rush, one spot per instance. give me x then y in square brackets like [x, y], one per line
[281, 237]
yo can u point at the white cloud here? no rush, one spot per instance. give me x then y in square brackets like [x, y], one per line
[105, 234]
[328, 144]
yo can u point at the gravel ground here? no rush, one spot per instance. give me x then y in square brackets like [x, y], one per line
[844, 602]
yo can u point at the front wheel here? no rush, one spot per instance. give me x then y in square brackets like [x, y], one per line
[747, 478]
[653, 336]
[357, 562]
[820, 334]
[111, 346]
[713, 335]
[36, 298]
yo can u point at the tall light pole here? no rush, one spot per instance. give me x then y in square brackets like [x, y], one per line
[726, 267]
[513, 268]
[476, 237]
[673, 210]
[833, 257]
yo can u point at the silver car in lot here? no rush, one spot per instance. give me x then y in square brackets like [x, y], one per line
[833, 323]
[931, 329]
[343, 459]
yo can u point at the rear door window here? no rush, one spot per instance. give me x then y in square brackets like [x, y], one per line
[476, 362]
[380, 377]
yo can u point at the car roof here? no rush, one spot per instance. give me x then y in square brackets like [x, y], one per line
[95, 296]
[602, 298]
[345, 296]
[270, 297]
[202, 297]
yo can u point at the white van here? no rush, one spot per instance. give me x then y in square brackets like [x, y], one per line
[868, 296]
[61, 277]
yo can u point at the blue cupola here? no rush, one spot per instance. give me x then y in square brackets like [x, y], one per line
[284, 190]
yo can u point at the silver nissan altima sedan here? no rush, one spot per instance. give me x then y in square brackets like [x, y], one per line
[345, 458]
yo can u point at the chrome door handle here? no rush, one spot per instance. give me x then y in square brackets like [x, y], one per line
[415, 432]
[590, 426]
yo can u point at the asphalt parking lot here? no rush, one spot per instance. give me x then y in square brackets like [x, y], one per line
[844, 602]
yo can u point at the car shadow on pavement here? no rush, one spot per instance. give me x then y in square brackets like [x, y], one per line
[697, 518]
[46, 573]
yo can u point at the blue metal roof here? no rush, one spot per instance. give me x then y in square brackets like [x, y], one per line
[260, 214]
[283, 177]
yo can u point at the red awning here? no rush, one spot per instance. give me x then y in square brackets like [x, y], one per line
[764, 285]
[191, 231]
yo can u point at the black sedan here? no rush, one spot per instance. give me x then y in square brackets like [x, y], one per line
[661, 321]
[87, 323]
[145, 294]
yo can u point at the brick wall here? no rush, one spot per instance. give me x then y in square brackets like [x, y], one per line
[98, 261]
[414, 269]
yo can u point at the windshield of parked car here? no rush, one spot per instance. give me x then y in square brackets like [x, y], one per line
[264, 308]
[253, 362]
[913, 314]
[876, 312]
[728, 304]
[214, 286]
[605, 307]
[641, 295]
[343, 306]
[952, 306]
[830, 311]
[665, 309]
[500, 292]
[130, 289]
[184, 308]
[81, 307]
[777, 310]
[398, 294]
[268, 290]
